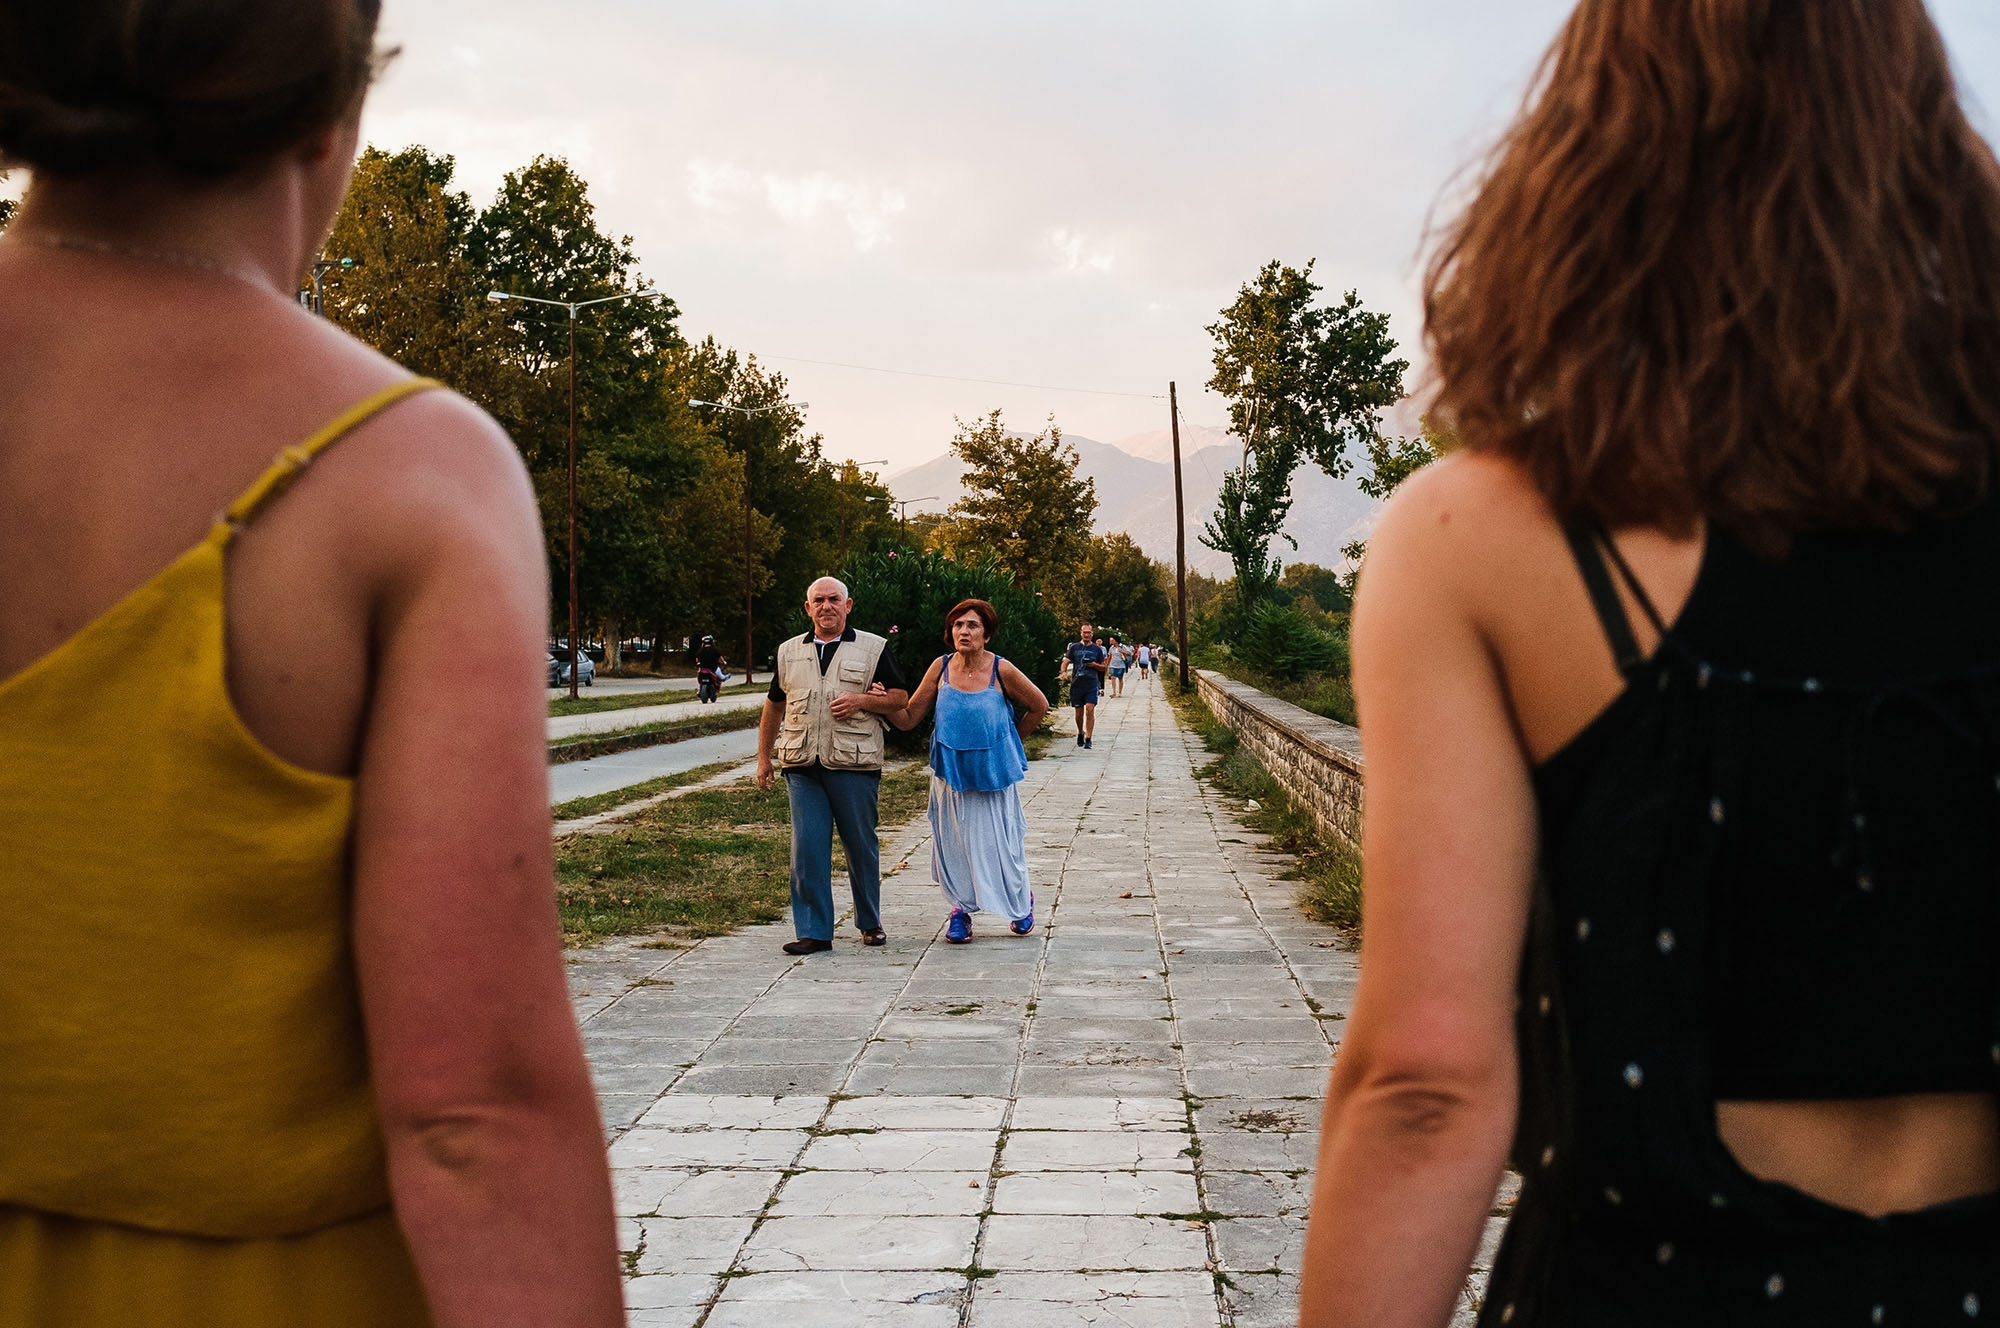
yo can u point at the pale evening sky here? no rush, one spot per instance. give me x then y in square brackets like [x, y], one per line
[1049, 193]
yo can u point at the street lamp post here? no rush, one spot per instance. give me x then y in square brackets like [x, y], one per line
[904, 504]
[749, 644]
[317, 300]
[856, 465]
[572, 306]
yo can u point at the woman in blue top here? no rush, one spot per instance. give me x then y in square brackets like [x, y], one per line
[979, 848]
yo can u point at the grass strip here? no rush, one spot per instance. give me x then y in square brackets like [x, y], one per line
[1327, 868]
[590, 705]
[585, 746]
[699, 865]
[604, 802]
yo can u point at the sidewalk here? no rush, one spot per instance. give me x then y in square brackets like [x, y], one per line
[1110, 1122]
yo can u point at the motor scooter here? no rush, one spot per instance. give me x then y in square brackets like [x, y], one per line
[708, 684]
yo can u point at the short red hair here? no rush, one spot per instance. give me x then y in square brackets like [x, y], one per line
[989, 617]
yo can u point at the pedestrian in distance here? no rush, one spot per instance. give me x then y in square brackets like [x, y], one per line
[1680, 871]
[1145, 660]
[285, 1035]
[822, 727]
[985, 708]
[1117, 657]
[1084, 666]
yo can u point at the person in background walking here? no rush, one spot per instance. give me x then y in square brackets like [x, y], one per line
[1117, 657]
[285, 1036]
[822, 724]
[1084, 665]
[979, 851]
[1145, 660]
[1680, 871]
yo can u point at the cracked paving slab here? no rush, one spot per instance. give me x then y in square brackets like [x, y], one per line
[1095, 1300]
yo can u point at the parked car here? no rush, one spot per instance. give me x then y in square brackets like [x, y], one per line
[559, 670]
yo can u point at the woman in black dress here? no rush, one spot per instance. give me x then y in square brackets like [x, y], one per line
[1682, 863]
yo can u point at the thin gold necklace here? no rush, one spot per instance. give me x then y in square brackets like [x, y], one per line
[85, 244]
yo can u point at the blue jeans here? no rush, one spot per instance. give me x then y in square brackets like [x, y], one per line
[823, 801]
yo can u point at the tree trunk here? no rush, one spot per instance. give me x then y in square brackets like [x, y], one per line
[613, 630]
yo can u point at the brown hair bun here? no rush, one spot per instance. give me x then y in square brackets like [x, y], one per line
[203, 87]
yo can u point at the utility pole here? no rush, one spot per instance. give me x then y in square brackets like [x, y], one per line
[572, 504]
[1180, 539]
[749, 607]
[571, 306]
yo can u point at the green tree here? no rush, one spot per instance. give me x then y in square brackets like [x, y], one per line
[1323, 586]
[1024, 503]
[636, 450]
[789, 481]
[414, 293]
[1117, 585]
[1304, 381]
[6, 206]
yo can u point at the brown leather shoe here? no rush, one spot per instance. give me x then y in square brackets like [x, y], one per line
[805, 945]
[875, 936]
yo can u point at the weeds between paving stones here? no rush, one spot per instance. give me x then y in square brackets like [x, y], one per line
[700, 865]
[1328, 869]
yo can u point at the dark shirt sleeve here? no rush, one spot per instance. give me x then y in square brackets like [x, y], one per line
[777, 694]
[889, 673]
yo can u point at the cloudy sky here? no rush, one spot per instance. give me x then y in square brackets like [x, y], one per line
[1057, 195]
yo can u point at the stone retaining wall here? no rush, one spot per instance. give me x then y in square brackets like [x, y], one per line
[1314, 759]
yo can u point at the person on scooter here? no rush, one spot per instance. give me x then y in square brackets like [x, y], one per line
[708, 670]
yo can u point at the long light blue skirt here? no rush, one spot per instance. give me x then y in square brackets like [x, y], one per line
[979, 850]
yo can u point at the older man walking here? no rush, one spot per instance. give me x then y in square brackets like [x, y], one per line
[823, 727]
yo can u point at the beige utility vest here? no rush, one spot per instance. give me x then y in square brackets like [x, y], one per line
[810, 732]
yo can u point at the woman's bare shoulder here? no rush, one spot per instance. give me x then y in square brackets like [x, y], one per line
[1460, 523]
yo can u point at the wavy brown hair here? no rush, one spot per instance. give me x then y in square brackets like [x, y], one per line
[1737, 259]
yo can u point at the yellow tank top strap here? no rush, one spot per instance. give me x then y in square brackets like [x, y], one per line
[293, 460]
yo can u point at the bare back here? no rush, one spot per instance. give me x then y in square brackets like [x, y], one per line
[1512, 562]
[135, 404]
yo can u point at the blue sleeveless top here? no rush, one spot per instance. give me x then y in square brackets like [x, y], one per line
[975, 747]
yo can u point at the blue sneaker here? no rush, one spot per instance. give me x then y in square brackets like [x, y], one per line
[959, 930]
[1022, 926]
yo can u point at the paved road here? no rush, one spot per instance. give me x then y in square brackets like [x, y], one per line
[604, 721]
[602, 774]
[835, 1141]
[625, 686]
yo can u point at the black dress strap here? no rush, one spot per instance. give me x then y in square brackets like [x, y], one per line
[1588, 545]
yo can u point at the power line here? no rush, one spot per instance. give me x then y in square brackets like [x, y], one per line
[957, 378]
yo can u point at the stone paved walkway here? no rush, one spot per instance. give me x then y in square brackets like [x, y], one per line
[1107, 1124]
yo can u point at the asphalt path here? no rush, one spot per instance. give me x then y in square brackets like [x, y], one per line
[605, 774]
[607, 721]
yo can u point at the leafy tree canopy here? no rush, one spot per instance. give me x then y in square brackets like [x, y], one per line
[1303, 380]
[1024, 502]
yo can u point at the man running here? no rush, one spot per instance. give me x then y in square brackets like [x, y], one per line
[1084, 662]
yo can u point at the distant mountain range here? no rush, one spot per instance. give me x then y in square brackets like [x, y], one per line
[1135, 495]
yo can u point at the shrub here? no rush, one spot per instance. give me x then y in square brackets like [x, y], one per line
[1281, 642]
[904, 595]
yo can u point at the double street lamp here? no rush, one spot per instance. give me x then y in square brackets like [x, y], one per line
[572, 306]
[749, 647]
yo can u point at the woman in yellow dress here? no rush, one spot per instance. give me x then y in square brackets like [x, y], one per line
[284, 1037]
